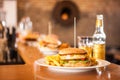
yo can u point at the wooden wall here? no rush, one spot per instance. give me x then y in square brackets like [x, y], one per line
[1, 3]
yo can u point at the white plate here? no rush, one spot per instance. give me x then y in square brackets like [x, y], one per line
[101, 63]
[47, 51]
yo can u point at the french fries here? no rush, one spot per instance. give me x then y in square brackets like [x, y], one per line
[53, 60]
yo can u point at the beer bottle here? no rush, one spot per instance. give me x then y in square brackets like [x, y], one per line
[99, 39]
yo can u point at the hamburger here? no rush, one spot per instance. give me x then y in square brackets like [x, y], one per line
[74, 57]
[50, 42]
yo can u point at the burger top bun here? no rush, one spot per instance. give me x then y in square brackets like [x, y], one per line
[72, 51]
[51, 39]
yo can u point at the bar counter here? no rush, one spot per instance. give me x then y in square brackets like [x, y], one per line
[26, 71]
[22, 71]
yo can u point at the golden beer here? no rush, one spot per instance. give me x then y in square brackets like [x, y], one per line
[89, 50]
[99, 51]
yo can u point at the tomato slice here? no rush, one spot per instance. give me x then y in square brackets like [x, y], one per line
[82, 59]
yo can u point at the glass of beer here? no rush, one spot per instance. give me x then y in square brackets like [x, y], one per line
[85, 42]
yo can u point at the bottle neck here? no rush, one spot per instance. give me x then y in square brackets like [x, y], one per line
[99, 25]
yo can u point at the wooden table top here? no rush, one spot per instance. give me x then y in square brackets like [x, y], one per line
[27, 72]
[112, 72]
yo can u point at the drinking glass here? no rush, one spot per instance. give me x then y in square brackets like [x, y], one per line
[86, 43]
[25, 26]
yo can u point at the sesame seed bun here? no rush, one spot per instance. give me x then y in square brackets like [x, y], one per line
[51, 40]
[68, 51]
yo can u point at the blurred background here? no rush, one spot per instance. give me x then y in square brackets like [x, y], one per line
[61, 14]
[41, 12]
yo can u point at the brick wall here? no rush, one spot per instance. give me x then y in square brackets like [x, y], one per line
[40, 13]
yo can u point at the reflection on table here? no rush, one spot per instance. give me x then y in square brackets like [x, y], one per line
[109, 73]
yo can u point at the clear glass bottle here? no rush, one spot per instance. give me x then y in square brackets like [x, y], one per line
[99, 39]
[2, 23]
